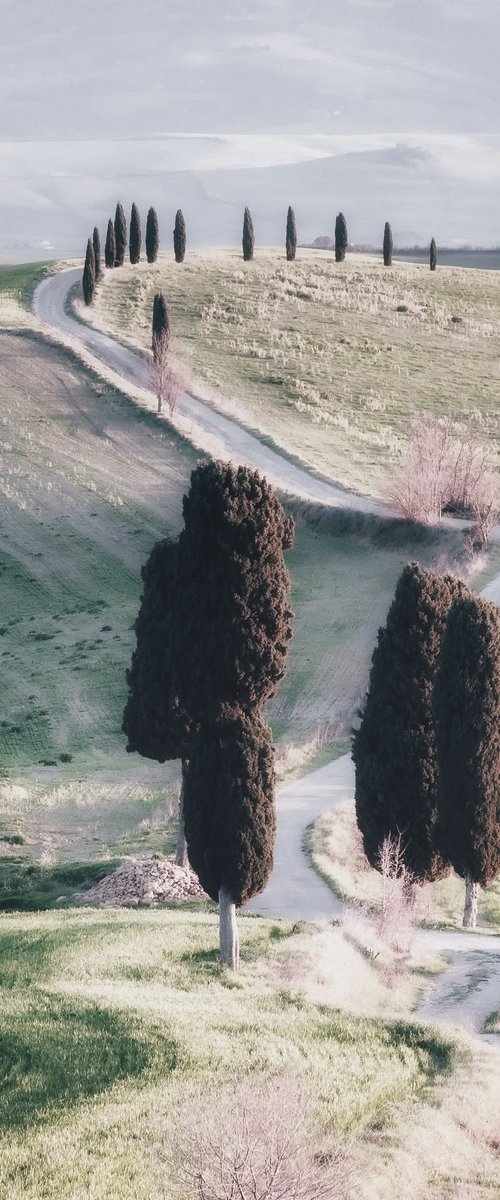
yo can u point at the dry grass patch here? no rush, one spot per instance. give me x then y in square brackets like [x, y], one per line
[336, 850]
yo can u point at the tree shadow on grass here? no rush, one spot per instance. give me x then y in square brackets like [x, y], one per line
[57, 1053]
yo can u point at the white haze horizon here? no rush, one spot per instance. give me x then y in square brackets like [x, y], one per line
[384, 109]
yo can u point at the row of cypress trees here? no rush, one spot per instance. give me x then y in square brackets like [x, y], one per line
[116, 245]
[427, 752]
[212, 637]
[341, 240]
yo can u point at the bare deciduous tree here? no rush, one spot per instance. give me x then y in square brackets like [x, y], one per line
[168, 382]
[255, 1147]
[448, 467]
[397, 914]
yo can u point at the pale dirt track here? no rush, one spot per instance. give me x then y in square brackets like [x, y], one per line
[470, 990]
[203, 424]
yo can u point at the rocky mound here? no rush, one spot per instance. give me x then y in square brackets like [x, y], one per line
[145, 881]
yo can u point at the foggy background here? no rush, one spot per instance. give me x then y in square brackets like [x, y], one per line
[386, 109]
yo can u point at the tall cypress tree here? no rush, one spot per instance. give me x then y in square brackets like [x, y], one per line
[248, 240]
[232, 628]
[120, 235]
[467, 709]
[88, 278]
[161, 324]
[387, 245]
[394, 750]
[110, 246]
[152, 236]
[230, 817]
[341, 239]
[96, 243]
[179, 237]
[291, 235]
[135, 235]
[233, 637]
[433, 255]
[154, 720]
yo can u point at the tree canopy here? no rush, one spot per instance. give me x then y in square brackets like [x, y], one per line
[394, 750]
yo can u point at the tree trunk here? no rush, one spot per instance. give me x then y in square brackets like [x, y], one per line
[228, 930]
[181, 854]
[471, 898]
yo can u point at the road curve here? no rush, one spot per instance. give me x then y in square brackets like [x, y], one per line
[204, 424]
[470, 989]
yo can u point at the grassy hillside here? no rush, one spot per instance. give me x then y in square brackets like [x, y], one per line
[89, 483]
[122, 1018]
[328, 360]
[17, 284]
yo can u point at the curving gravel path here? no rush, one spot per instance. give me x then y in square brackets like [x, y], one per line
[470, 989]
[201, 422]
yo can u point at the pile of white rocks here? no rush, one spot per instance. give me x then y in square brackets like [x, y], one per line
[145, 881]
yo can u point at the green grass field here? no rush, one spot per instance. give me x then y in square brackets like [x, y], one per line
[327, 360]
[111, 1021]
[17, 284]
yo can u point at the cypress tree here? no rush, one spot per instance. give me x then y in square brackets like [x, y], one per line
[387, 245]
[161, 324]
[230, 818]
[394, 750]
[96, 243]
[248, 240]
[120, 235]
[467, 709]
[234, 620]
[152, 236]
[341, 239]
[179, 237]
[232, 628]
[135, 236]
[154, 721]
[110, 246]
[88, 278]
[433, 255]
[291, 235]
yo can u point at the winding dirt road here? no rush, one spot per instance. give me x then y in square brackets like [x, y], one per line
[470, 989]
[202, 424]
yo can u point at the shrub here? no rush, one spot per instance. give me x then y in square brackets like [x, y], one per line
[255, 1143]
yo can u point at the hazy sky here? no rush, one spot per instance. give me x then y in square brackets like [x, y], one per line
[387, 109]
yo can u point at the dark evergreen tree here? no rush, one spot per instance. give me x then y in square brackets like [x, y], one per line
[88, 278]
[152, 236]
[394, 750]
[248, 236]
[161, 324]
[96, 243]
[179, 237]
[110, 246]
[234, 620]
[120, 235]
[433, 255]
[154, 721]
[291, 235]
[135, 236]
[230, 818]
[467, 709]
[341, 239]
[387, 245]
